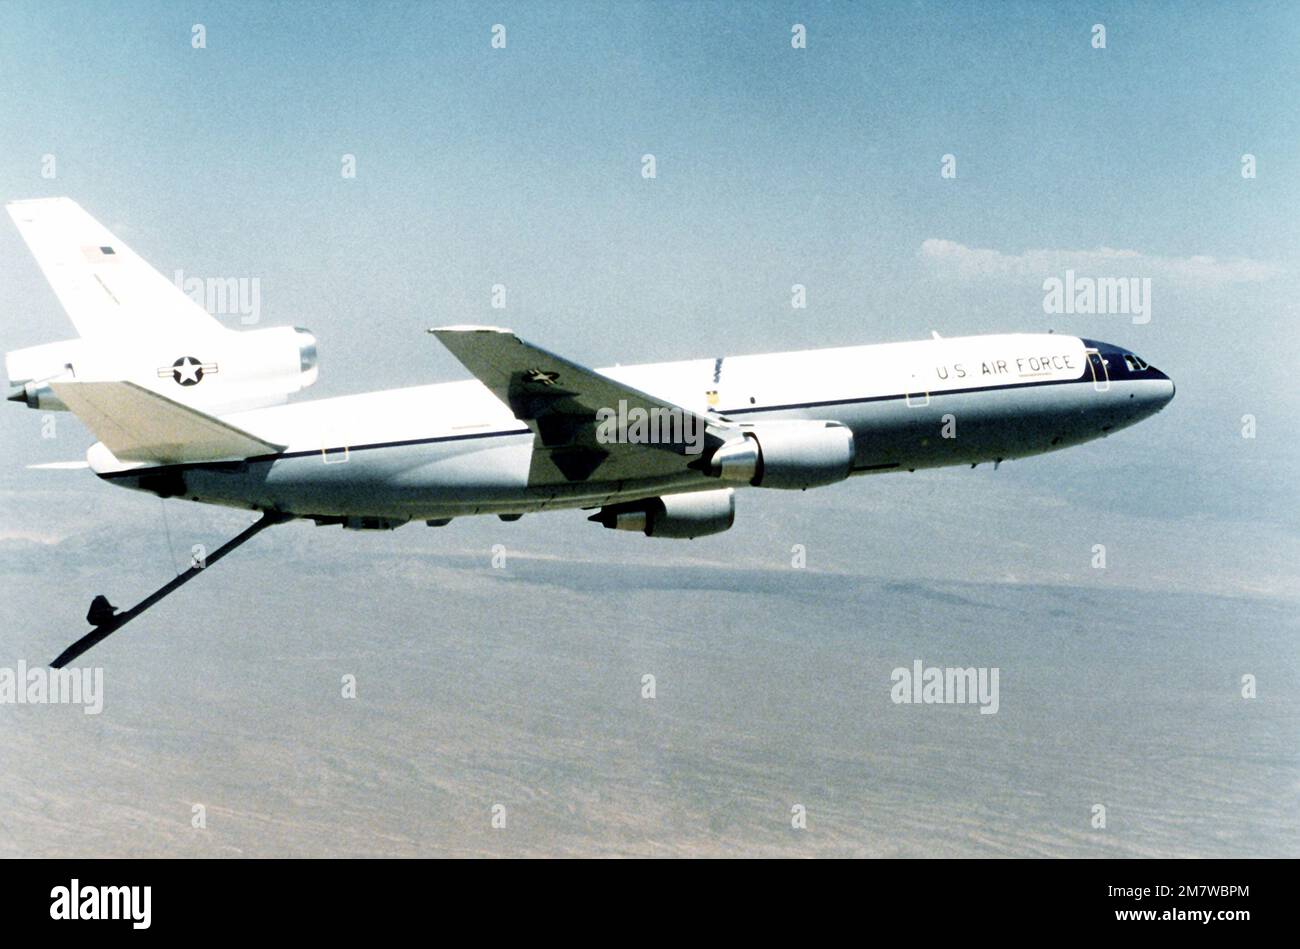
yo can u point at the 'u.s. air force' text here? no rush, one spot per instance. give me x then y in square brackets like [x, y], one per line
[1025, 367]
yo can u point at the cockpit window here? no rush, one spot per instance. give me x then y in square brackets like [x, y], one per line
[1134, 363]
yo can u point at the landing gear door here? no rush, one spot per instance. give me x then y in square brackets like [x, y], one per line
[1100, 374]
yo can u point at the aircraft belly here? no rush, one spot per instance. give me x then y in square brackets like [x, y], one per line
[418, 481]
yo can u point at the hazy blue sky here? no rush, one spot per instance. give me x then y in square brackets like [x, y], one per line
[775, 166]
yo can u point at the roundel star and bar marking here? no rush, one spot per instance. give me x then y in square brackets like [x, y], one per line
[542, 376]
[187, 371]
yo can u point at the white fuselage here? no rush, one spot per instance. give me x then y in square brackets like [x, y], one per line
[437, 451]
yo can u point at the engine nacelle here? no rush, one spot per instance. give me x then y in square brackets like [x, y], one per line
[787, 454]
[685, 516]
[221, 371]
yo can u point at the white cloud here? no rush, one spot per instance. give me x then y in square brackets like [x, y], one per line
[951, 259]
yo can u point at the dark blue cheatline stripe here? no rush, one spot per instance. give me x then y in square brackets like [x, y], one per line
[525, 431]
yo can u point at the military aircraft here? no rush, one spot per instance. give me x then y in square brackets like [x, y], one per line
[184, 407]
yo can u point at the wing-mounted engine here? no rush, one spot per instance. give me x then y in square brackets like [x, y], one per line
[218, 371]
[675, 515]
[789, 454]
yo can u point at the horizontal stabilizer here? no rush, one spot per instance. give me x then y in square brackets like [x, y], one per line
[139, 425]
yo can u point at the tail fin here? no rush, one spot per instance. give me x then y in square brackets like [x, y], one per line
[135, 325]
[138, 425]
[105, 287]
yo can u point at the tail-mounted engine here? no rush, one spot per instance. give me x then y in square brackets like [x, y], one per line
[221, 371]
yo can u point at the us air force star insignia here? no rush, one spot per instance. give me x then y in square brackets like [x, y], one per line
[545, 378]
[187, 371]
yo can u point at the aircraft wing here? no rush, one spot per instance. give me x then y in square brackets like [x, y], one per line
[139, 425]
[560, 401]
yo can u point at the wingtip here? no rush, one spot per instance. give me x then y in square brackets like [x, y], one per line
[469, 328]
